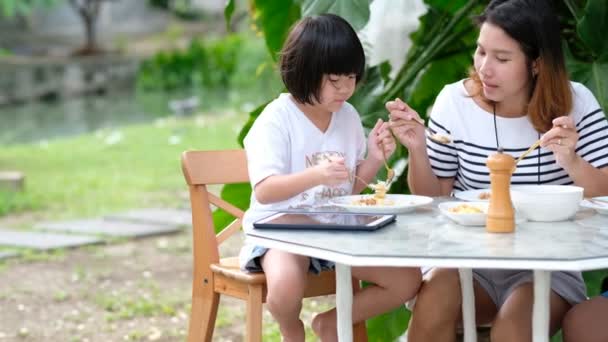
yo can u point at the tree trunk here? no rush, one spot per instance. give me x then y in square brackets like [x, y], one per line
[88, 11]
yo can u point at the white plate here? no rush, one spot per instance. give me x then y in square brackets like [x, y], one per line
[471, 219]
[400, 204]
[600, 208]
[472, 195]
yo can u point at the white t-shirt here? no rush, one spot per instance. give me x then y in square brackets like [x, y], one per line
[283, 141]
[475, 138]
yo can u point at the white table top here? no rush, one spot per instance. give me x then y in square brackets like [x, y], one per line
[426, 238]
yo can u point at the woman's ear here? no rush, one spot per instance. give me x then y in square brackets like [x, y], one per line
[534, 67]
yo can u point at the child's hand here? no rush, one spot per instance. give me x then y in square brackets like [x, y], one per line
[380, 138]
[332, 172]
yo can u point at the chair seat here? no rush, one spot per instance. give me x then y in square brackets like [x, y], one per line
[229, 267]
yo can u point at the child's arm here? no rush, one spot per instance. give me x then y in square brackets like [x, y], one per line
[380, 137]
[278, 188]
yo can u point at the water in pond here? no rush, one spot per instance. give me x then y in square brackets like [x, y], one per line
[40, 121]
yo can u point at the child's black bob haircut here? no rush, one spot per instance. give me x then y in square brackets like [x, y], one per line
[317, 46]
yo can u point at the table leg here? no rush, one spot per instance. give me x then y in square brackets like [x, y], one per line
[468, 305]
[540, 312]
[344, 302]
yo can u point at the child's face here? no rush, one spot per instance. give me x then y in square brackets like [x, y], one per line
[335, 90]
[501, 65]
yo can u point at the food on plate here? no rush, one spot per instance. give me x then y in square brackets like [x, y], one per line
[372, 200]
[484, 195]
[377, 198]
[466, 209]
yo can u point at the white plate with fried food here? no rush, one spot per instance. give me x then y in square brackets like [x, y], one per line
[389, 204]
[469, 213]
[477, 195]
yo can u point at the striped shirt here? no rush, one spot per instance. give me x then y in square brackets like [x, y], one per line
[476, 136]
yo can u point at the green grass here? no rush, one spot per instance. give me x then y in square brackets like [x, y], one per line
[89, 175]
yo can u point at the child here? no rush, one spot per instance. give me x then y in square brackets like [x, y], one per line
[304, 149]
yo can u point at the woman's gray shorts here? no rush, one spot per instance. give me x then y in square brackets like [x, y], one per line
[250, 256]
[499, 284]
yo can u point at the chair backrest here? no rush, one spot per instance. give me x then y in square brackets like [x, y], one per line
[203, 168]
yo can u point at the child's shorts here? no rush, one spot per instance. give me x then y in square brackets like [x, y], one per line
[250, 256]
[605, 294]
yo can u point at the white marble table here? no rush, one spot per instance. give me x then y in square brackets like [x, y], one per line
[426, 238]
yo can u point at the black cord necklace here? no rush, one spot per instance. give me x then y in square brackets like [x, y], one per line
[498, 148]
[495, 126]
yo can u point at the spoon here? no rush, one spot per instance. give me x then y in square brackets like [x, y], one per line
[528, 151]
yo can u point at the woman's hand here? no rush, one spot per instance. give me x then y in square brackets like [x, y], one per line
[403, 125]
[380, 138]
[332, 172]
[561, 140]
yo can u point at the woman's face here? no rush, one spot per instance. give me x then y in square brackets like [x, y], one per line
[502, 66]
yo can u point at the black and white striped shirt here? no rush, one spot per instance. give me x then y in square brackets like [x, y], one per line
[475, 138]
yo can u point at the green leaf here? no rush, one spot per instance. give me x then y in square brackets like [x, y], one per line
[252, 116]
[592, 28]
[593, 75]
[356, 12]
[236, 194]
[228, 12]
[275, 18]
[437, 74]
[450, 6]
[388, 326]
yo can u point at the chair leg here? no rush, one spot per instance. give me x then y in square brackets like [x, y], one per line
[254, 314]
[359, 329]
[202, 317]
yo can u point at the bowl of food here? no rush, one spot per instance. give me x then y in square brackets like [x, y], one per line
[465, 213]
[547, 203]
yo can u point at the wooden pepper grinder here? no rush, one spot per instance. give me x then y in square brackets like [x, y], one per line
[501, 216]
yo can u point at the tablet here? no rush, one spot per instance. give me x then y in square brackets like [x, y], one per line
[324, 221]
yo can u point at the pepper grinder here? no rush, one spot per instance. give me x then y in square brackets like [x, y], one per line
[501, 216]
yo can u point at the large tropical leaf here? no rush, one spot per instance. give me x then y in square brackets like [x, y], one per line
[593, 75]
[275, 18]
[356, 12]
[595, 17]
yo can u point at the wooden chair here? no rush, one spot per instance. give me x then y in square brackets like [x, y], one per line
[213, 276]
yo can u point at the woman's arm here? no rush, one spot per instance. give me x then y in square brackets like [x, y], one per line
[562, 139]
[585, 175]
[422, 180]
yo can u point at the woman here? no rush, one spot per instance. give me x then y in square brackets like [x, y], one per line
[586, 322]
[517, 93]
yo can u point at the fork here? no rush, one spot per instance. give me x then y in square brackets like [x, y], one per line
[443, 139]
[390, 173]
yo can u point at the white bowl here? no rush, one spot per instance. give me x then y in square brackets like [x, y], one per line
[547, 203]
[465, 219]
